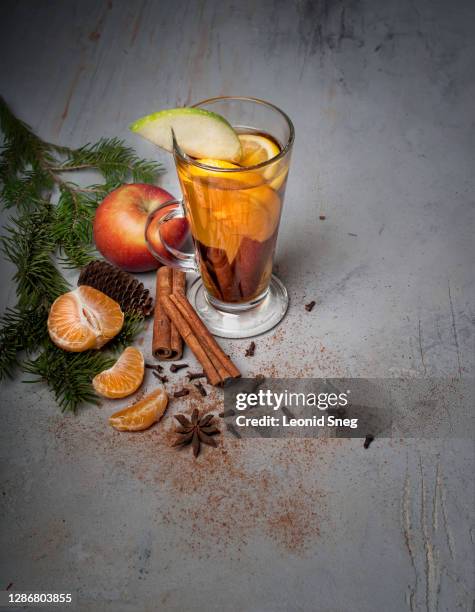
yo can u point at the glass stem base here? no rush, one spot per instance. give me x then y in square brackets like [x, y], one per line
[240, 320]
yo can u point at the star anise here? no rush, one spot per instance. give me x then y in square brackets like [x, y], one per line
[195, 431]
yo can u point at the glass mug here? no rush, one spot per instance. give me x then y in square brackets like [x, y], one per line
[233, 213]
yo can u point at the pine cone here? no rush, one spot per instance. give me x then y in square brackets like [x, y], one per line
[118, 285]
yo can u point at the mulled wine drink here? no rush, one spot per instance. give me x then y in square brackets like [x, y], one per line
[234, 212]
[232, 156]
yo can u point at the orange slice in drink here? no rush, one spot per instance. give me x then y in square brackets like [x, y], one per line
[143, 414]
[124, 377]
[256, 149]
[215, 163]
[84, 319]
[252, 213]
[216, 177]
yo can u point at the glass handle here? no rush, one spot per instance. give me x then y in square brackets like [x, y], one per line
[166, 232]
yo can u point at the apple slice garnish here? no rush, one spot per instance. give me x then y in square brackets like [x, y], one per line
[199, 133]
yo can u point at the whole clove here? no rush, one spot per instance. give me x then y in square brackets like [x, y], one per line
[367, 441]
[181, 393]
[201, 389]
[175, 367]
[251, 349]
[310, 305]
[194, 375]
[153, 366]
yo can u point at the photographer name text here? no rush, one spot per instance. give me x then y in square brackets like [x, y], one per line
[284, 400]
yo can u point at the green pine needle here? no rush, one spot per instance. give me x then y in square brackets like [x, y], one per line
[133, 325]
[72, 227]
[68, 374]
[26, 191]
[29, 245]
[114, 160]
[21, 147]
[20, 330]
[32, 173]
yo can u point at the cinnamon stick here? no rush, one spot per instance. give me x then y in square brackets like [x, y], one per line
[178, 287]
[167, 343]
[217, 366]
[223, 363]
[191, 340]
[224, 274]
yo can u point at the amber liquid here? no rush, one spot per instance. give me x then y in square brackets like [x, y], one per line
[234, 218]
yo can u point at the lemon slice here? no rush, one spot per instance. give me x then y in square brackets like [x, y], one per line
[256, 149]
[198, 132]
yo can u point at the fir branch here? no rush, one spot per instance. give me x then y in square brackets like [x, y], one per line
[31, 170]
[113, 159]
[133, 325]
[69, 375]
[26, 191]
[29, 245]
[21, 146]
[72, 227]
[20, 330]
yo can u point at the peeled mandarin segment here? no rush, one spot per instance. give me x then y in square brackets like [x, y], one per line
[123, 378]
[143, 414]
[84, 319]
[104, 312]
[66, 327]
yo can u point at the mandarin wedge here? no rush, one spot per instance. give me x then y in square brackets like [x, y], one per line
[84, 319]
[124, 377]
[142, 414]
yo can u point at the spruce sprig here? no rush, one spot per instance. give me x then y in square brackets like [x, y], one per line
[68, 374]
[53, 222]
[29, 244]
[72, 227]
[113, 159]
[21, 330]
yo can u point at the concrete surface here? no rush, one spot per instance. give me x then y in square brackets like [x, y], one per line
[381, 94]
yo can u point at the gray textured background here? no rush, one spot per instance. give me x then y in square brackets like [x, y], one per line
[382, 96]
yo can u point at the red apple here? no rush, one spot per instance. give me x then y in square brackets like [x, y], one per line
[119, 226]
